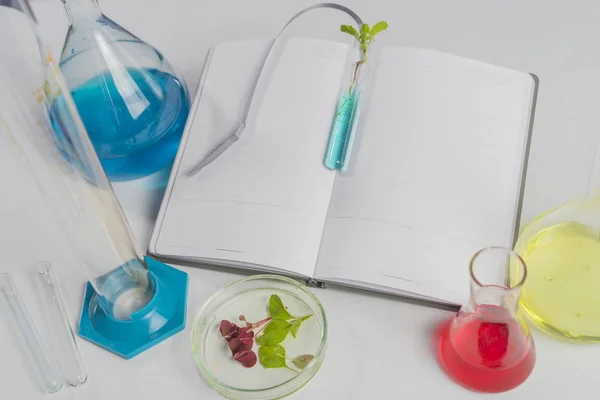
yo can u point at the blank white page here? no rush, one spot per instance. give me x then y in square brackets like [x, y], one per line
[436, 174]
[264, 201]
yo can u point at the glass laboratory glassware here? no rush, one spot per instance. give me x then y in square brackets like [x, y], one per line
[249, 296]
[562, 250]
[122, 311]
[341, 138]
[133, 103]
[29, 335]
[345, 121]
[488, 347]
[66, 349]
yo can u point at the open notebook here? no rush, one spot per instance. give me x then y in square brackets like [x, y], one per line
[436, 171]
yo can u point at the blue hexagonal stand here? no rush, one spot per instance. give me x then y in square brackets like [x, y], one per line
[161, 318]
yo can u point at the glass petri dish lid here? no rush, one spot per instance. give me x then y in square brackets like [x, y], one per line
[249, 301]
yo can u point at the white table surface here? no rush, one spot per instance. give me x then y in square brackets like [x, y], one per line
[379, 347]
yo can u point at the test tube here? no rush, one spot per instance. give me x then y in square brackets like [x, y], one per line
[30, 335]
[67, 351]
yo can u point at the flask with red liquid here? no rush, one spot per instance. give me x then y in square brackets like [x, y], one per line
[488, 347]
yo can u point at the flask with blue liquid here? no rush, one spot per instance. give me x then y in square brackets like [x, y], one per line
[131, 302]
[132, 102]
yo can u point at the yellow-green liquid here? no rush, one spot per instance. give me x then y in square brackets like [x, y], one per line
[562, 290]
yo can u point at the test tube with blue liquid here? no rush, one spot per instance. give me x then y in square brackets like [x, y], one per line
[341, 138]
[344, 122]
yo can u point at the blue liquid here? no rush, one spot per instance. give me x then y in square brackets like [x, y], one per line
[135, 123]
[338, 138]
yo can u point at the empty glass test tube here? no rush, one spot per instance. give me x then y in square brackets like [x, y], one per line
[67, 352]
[30, 335]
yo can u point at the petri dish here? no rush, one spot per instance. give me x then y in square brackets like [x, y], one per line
[249, 299]
[562, 253]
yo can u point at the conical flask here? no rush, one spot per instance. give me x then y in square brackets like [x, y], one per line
[488, 347]
[132, 102]
[562, 250]
[121, 301]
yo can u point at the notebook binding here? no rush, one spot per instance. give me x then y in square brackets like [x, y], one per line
[314, 284]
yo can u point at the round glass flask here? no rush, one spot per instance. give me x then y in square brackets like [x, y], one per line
[132, 102]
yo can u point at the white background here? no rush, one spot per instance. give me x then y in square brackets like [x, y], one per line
[379, 347]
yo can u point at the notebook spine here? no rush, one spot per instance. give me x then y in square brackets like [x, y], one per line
[315, 284]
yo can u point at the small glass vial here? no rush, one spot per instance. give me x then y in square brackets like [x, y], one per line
[488, 347]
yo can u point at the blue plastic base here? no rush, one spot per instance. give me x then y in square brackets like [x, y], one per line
[161, 318]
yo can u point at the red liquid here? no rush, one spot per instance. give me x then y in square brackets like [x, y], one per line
[487, 351]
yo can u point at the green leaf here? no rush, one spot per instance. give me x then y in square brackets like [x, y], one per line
[364, 30]
[294, 330]
[274, 333]
[296, 324]
[303, 360]
[378, 27]
[350, 30]
[277, 309]
[272, 356]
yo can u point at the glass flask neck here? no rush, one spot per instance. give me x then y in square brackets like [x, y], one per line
[492, 295]
[82, 10]
[497, 277]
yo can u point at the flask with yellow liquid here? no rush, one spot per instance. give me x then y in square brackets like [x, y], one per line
[561, 249]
